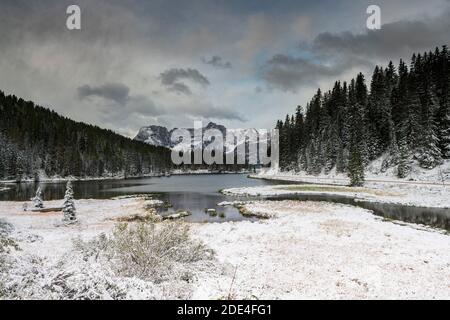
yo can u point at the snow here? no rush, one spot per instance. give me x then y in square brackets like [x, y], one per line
[373, 174]
[95, 217]
[161, 136]
[316, 250]
[305, 250]
[57, 178]
[47, 254]
[433, 196]
[430, 188]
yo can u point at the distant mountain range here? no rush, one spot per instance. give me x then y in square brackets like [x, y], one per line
[161, 136]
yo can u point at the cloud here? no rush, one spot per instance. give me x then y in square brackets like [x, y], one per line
[218, 62]
[289, 73]
[47, 63]
[124, 106]
[116, 92]
[180, 87]
[118, 106]
[330, 55]
[207, 110]
[171, 79]
[393, 40]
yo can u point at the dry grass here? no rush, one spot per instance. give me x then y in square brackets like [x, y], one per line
[6, 244]
[148, 251]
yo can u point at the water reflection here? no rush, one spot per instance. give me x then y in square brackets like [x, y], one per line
[194, 193]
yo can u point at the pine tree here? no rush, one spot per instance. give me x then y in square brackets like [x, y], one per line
[356, 168]
[430, 154]
[405, 116]
[37, 200]
[445, 134]
[444, 109]
[69, 209]
[35, 139]
[403, 167]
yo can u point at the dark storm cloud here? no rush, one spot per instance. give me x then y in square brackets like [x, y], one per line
[391, 41]
[289, 73]
[47, 63]
[179, 87]
[218, 62]
[171, 79]
[171, 76]
[116, 92]
[123, 102]
[329, 55]
[130, 107]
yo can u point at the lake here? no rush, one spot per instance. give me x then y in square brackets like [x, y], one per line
[194, 193]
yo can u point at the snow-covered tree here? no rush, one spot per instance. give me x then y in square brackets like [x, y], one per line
[403, 167]
[37, 200]
[430, 154]
[356, 169]
[69, 209]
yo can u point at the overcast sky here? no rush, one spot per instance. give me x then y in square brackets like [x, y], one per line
[242, 63]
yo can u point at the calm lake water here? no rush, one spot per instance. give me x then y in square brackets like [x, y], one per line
[194, 193]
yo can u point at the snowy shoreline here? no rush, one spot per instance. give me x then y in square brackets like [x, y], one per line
[304, 250]
[431, 194]
[311, 250]
[121, 177]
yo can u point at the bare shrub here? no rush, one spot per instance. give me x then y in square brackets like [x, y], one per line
[6, 244]
[137, 261]
[155, 252]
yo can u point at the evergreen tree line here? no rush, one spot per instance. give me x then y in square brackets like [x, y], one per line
[405, 116]
[35, 140]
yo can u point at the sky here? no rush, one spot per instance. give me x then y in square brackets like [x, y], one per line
[243, 64]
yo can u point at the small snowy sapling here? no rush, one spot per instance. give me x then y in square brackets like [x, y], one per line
[69, 209]
[37, 200]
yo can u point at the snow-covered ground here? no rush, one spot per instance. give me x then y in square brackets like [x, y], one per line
[374, 175]
[95, 217]
[433, 196]
[48, 264]
[326, 251]
[305, 250]
[42, 178]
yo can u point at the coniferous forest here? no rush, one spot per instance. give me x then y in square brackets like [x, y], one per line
[402, 114]
[35, 142]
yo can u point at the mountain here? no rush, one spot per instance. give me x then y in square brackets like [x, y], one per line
[154, 135]
[36, 142]
[160, 136]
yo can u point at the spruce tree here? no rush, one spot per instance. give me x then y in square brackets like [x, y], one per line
[405, 116]
[444, 109]
[69, 209]
[445, 134]
[403, 167]
[430, 154]
[356, 168]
